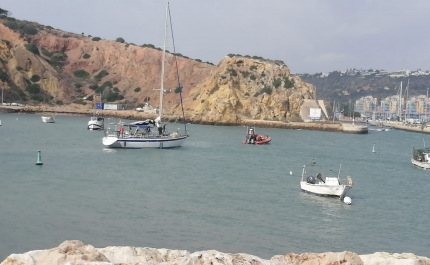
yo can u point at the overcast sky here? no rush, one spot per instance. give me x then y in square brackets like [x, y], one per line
[308, 35]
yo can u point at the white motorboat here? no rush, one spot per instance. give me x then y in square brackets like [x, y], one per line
[149, 133]
[96, 123]
[48, 119]
[146, 108]
[320, 184]
[421, 157]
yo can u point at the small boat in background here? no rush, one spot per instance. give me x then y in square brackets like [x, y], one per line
[48, 119]
[421, 157]
[96, 123]
[253, 138]
[322, 185]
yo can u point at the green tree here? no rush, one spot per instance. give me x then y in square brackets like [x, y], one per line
[32, 48]
[288, 83]
[33, 89]
[100, 75]
[277, 82]
[82, 74]
[121, 40]
[35, 78]
[59, 56]
[3, 76]
[29, 30]
[4, 12]
[12, 25]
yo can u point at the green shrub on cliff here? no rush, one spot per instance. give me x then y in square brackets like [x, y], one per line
[148, 46]
[214, 89]
[33, 89]
[46, 52]
[82, 74]
[288, 83]
[113, 96]
[35, 78]
[266, 90]
[32, 48]
[11, 24]
[3, 76]
[58, 56]
[37, 98]
[3, 12]
[277, 82]
[96, 39]
[121, 40]
[86, 56]
[30, 30]
[100, 75]
[137, 89]
[101, 88]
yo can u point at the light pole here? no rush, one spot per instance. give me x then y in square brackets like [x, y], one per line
[2, 95]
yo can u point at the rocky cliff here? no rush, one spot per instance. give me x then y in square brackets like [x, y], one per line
[43, 65]
[247, 88]
[75, 252]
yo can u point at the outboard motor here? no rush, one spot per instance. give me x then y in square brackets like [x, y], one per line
[311, 180]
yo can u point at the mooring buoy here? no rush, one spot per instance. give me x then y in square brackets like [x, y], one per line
[39, 159]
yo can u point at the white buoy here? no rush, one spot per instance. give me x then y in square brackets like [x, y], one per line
[373, 149]
[39, 159]
[347, 200]
[291, 173]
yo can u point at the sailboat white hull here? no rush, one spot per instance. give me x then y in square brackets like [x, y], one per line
[325, 190]
[137, 143]
[48, 119]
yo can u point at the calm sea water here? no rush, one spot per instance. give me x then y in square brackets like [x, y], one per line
[213, 193]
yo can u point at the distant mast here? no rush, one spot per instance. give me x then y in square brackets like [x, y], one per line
[163, 57]
[400, 102]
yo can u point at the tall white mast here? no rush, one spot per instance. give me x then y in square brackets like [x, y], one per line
[400, 102]
[406, 100]
[163, 56]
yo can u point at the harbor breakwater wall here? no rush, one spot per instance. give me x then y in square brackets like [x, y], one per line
[134, 115]
[419, 128]
[74, 252]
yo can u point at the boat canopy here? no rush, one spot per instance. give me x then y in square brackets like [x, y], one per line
[138, 126]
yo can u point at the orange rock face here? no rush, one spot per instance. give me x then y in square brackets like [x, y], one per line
[237, 88]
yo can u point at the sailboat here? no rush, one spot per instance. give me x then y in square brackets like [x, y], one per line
[148, 133]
